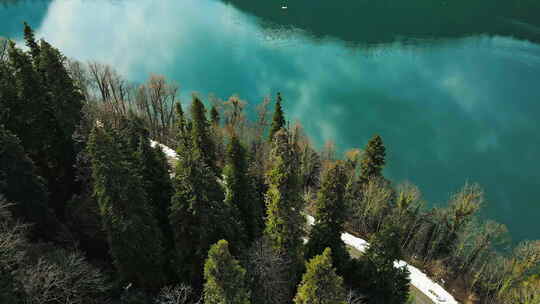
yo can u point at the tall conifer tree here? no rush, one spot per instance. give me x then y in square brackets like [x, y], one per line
[154, 169]
[31, 41]
[240, 191]
[180, 125]
[225, 278]
[320, 284]
[195, 213]
[214, 116]
[44, 114]
[278, 120]
[21, 185]
[285, 224]
[379, 278]
[200, 135]
[330, 214]
[133, 233]
[373, 160]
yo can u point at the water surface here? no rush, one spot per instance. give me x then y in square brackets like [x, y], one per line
[451, 108]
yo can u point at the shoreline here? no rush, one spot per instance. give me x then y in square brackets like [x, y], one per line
[419, 280]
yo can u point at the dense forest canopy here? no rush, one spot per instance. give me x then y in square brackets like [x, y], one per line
[92, 212]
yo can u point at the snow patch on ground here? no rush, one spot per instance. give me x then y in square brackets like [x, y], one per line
[419, 279]
[168, 151]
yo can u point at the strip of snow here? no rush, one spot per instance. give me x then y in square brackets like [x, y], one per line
[168, 151]
[420, 280]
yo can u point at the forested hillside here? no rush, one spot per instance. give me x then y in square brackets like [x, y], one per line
[90, 212]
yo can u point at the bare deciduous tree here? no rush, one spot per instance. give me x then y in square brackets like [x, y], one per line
[372, 208]
[3, 48]
[270, 274]
[62, 277]
[180, 294]
[354, 297]
[155, 101]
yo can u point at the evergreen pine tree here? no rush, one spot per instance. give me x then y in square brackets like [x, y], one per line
[200, 135]
[180, 120]
[195, 214]
[44, 114]
[239, 193]
[225, 278]
[214, 116]
[320, 284]
[330, 214]
[373, 160]
[28, 114]
[278, 120]
[65, 104]
[182, 129]
[284, 222]
[380, 280]
[154, 169]
[31, 41]
[133, 233]
[20, 185]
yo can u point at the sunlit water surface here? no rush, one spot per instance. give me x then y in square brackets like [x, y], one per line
[449, 110]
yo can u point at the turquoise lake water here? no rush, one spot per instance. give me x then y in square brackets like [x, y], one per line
[452, 103]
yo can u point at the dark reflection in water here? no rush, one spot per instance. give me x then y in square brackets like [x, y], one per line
[373, 22]
[450, 110]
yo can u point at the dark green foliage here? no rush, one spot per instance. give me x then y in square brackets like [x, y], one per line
[42, 106]
[131, 132]
[200, 135]
[180, 125]
[31, 41]
[278, 120]
[320, 284]
[196, 215]
[284, 222]
[26, 112]
[330, 214]
[20, 185]
[65, 102]
[157, 184]
[379, 279]
[214, 116]
[83, 217]
[134, 235]
[373, 160]
[240, 191]
[225, 278]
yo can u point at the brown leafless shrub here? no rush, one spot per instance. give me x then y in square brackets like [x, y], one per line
[354, 297]
[3, 48]
[408, 211]
[62, 277]
[12, 238]
[328, 152]
[373, 206]
[180, 294]
[234, 117]
[269, 273]
[474, 244]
